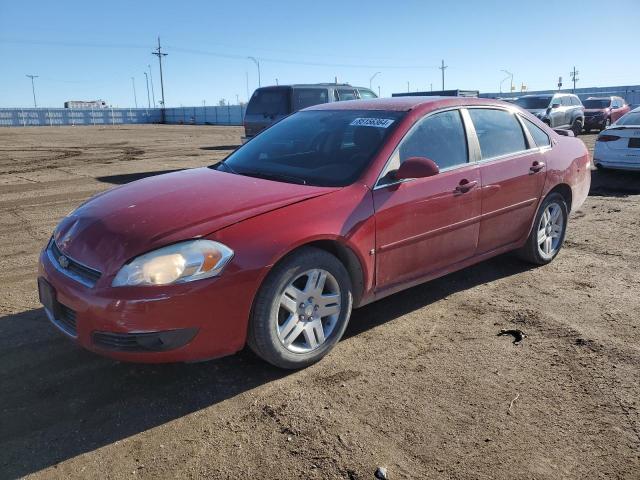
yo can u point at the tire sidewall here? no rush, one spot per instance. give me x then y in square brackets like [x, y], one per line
[533, 239]
[264, 316]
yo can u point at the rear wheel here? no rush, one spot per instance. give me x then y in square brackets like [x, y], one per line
[547, 235]
[301, 310]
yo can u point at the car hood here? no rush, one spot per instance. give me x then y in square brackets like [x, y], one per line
[127, 221]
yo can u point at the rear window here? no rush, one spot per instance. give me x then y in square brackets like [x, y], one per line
[597, 103]
[533, 103]
[269, 102]
[541, 138]
[499, 132]
[306, 97]
[632, 118]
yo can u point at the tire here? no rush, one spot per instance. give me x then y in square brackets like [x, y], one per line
[284, 326]
[607, 124]
[576, 127]
[532, 251]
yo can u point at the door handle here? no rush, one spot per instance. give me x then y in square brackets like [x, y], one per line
[536, 167]
[465, 185]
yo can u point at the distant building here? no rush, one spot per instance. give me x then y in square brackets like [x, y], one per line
[85, 104]
[440, 93]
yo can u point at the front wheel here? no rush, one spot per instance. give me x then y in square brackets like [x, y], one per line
[607, 124]
[549, 228]
[301, 310]
[576, 127]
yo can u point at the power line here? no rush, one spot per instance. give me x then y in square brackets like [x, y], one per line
[159, 54]
[574, 78]
[33, 89]
[443, 67]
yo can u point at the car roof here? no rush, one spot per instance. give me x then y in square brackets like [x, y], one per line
[313, 85]
[602, 98]
[404, 104]
[532, 95]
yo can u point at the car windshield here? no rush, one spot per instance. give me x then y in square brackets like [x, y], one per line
[632, 118]
[321, 147]
[597, 103]
[533, 103]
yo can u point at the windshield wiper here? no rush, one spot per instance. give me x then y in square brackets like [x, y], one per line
[228, 167]
[273, 176]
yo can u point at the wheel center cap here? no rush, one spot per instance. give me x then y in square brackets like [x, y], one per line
[308, 311]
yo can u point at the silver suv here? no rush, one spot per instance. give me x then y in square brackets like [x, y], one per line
[559, 110]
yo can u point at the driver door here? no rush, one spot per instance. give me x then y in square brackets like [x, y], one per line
[426, 224]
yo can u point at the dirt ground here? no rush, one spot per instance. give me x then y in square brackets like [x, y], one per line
[420, 384]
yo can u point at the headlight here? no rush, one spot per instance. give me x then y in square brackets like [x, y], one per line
[178, 263]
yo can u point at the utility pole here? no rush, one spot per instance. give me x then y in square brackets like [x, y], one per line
[372, 77]
[237, 99]
[158, 52]
[33, 89]
[153, 94]
[574, 77]
[255, 60]
[431, 84]
[146, 77]
[135, 98]
[443, 68]
[407, 87]
[379, 96]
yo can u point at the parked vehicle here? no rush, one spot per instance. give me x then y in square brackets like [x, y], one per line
[601, 112]
[329, 209]
[270, 104]
[560, 110]
[618, 147]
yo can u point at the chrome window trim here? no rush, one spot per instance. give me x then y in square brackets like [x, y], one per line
[382, 173]
[68, 273]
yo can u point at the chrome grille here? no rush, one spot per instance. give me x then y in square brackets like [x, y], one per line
[72, 268]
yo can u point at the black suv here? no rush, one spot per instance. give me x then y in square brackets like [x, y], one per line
[270, 104]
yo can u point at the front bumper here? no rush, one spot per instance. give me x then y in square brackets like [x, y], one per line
[187, 322]
[594, 122]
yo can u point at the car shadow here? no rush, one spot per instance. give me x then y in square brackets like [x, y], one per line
[58, 401]
[614, 183]
[132, 177]
[220, 147]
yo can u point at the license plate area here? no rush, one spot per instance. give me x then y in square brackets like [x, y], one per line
[47, 295]
[634, 143]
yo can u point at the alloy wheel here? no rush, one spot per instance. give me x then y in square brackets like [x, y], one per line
[550, 230]
[308, 311]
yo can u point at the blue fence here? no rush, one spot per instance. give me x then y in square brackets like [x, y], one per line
[25, 117]
[631, 93]
[226, 115]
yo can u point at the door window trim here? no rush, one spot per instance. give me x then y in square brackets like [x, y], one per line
[470, 158]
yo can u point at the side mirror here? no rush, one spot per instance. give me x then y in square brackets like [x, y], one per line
[555, 105]
[417, 167]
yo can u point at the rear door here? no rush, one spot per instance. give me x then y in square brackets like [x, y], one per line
[512, 168]
[426, 224]
[266, 106]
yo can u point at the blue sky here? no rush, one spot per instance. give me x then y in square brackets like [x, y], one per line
[91, 49]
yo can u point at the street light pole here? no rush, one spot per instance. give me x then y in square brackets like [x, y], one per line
[255, 60]
[146, 77]
[33, 89]
[135, 97]
[510, 75]
[153, 93]
[371, 78]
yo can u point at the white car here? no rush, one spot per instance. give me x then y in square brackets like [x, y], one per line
[618, 147]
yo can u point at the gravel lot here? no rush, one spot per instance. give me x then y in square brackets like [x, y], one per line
[420, 385]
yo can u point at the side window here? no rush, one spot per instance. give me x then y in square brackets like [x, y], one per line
[499, 132]
[347, 94]
[364, 93]
[575, 101]
[305, 97]
[440, 137]
[539, 136]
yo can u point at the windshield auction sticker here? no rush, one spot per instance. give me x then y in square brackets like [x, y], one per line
[371, 122]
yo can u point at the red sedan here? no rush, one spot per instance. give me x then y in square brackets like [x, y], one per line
[334, 207]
